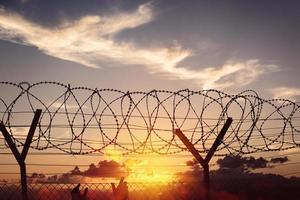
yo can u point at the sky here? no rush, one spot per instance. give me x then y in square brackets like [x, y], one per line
[228, 45]
[141, 45]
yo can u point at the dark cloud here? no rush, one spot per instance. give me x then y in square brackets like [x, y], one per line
[253, 163]
[242, 163]
[105, 169]
[245, 163]
[37, 177]
[76, 171]
[230, 162]
[279, 160]
[192, 162]
[238, 162]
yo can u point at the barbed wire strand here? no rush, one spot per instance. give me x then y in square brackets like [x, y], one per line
[144, 118]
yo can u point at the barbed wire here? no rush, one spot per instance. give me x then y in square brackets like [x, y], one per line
[73, 118]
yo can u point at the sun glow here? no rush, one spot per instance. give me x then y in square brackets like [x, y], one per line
[113, 154]
[141, 170]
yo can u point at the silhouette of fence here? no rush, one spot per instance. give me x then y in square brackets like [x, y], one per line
[147, 119]
[225, 186]
[103, 191]
[150, 122]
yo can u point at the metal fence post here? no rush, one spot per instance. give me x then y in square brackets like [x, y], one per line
[20, 157]
[205, 162]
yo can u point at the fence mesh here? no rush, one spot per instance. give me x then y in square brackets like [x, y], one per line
[96, 191]
[224, 186]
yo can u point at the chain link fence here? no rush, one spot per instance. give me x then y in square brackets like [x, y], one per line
[224, 186]
[103, 191]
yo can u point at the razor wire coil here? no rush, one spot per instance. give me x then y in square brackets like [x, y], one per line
[146, 120]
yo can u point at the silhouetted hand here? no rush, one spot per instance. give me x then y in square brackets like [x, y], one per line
[121, 191]
[76, 195]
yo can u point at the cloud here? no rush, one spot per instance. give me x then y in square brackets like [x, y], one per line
[285, 92]
[279, 160]
[230, 74]
[92, 42]
[91, 39]
[104, 169]
[68, 106]
[234, 162]
[246, 163]
[192, 163]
